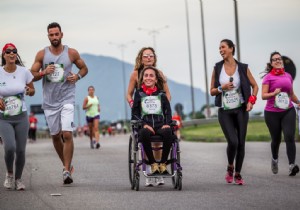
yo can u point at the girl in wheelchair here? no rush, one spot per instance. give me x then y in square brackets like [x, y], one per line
[152, 107]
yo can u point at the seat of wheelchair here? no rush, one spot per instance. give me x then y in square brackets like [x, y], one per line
[157, 138]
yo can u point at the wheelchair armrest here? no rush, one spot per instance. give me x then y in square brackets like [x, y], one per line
[136, 123]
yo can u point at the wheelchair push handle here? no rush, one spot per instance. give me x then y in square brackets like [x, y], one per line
[136, 122]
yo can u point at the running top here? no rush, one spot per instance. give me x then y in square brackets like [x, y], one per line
[93, 110]
[56, 90]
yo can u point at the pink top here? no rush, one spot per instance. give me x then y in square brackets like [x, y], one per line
[285, 82]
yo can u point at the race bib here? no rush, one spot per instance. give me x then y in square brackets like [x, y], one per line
[32, 125]
[231, 99]
[282, 100]
[57, 75]
[151, 105]
[13, 106]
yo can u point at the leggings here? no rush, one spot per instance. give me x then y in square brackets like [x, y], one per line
[145, 135]
[234, 125]
[285, 122]
[14, 131]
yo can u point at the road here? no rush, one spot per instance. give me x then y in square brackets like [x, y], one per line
[101, 180]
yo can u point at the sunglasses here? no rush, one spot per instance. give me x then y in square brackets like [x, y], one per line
[14, 51]
[276, 59]
[148, 56]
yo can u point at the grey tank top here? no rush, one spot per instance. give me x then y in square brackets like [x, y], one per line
[57, 93]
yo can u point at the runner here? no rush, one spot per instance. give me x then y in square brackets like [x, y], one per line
[16, 81]
[53, 64]
[92, 106]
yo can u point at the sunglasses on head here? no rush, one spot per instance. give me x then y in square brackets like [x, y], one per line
[14, 51]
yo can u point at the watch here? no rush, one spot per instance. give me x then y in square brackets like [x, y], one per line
[79, 76]
[220, 89]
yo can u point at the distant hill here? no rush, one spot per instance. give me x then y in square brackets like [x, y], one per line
[105, 74]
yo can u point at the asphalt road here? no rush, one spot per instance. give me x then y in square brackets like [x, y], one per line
[101, 180]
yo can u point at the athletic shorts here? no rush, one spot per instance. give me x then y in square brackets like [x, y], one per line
[61, 119]
[91, 119]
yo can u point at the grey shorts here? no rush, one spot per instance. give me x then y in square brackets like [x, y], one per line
[61, 119]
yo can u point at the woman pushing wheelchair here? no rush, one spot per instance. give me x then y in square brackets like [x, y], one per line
[152, 107]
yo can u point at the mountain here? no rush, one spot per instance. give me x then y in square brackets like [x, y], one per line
[105, 74]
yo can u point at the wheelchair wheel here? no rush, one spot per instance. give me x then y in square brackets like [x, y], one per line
[137, 181]
[179, 181]
[174, 179]
[131, 160]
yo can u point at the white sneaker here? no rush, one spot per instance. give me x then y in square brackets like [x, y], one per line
[8, 183]
[149, 182]
[159, 181]
[19, 184]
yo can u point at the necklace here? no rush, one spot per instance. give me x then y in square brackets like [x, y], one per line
[11, 72]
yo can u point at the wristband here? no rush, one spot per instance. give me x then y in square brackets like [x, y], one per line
[79, 76]
[42, 73]
[220, 89]
[131, 103]
[252, 99]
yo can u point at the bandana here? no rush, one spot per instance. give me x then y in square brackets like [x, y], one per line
[7, 46]
[277, 72]
[149, 90]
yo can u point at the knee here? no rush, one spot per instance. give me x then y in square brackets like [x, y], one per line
[10, 150]
[144, 134]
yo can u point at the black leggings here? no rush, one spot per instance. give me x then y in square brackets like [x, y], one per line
[144, 137]
[285, 122]
[234, 125]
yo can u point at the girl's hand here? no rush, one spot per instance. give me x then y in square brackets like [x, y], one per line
[149, 128]
[165, 126]
[2, 104]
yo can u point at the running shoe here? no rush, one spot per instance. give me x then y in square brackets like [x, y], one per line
[274, 166]
[154, 168]
[8, 183]
[160, 181]
[229, 175]
[163, 168]
[294, 169]
[19, 185]
[97, 145]
[67, 178]
[238, 179]
[149, 182]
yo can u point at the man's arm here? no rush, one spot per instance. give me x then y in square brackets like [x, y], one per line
[37, 65]
[79, 62]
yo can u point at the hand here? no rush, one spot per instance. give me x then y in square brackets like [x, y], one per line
[276, 91]
[29, 91]
[149, 128]
[229, 86]
[2, 104]
[165, 126]
[50, 69]
[72, 78]
[249, 107]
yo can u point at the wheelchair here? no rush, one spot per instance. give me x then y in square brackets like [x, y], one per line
[137, 158]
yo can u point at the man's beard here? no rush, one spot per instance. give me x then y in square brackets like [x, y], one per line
[56, 43]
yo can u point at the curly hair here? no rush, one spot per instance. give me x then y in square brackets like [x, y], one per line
[138, 61]
[160, 80]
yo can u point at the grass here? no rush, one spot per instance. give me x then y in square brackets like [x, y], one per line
[257, 131]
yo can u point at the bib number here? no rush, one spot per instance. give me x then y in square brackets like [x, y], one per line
[57, 75]
[231, 99]
[151, 105]
[13, 106]
[282, 100]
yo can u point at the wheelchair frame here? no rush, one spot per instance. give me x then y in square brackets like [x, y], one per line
[136, 159]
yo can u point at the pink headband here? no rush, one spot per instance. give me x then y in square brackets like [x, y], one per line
[7, 46]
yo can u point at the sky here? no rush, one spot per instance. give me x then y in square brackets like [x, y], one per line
[99, 27]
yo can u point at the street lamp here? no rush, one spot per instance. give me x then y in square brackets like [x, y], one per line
[122, 47]
[237, 29]
[204, 59]
[190, 58]
[153, 33]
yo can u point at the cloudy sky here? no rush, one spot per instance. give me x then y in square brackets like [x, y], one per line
[91, 25]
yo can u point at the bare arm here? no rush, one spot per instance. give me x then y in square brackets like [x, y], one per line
[266, 94]
[37, 66]
[84, 105]
[254, 89]
[213, 91]
[80, 64]
[131, 85]
[30, 89]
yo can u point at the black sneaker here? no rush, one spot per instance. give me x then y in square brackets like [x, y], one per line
[294, 169]
[97, 145]
[67, 178]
